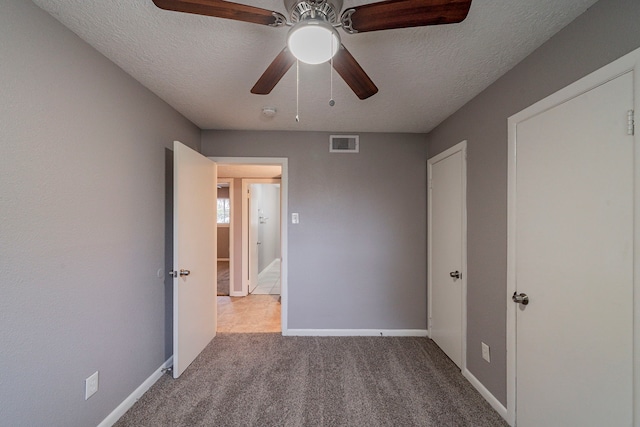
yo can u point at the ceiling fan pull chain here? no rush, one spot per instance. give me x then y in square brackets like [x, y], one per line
[331, 101]
[297, 90]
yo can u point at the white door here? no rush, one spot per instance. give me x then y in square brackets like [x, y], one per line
[194, 257]
[574, 260]
[254, 224]
[446, 251]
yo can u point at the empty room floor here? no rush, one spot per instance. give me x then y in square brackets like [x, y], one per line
[253, 313]
[271, 380]
[223, 277]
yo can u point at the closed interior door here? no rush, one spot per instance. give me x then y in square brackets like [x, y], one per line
[195, 247]
[574, 260]
[446, 275]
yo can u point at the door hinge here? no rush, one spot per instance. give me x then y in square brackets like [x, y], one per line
[631, 126]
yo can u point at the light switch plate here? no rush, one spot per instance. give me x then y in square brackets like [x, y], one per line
[295, 218]
[91, 385]
[486, 354]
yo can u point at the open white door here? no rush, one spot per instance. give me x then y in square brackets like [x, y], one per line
[253, 237]
[194, 255]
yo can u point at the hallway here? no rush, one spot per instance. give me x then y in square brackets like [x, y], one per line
[269, 280]
[253, 313]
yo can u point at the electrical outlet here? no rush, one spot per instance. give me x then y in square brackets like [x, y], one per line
[295, 218]
[486, 354]
[91, 385]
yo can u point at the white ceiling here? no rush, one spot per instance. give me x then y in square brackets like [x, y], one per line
[204, 67]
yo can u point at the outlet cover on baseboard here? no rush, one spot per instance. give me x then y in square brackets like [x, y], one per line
[486, 355]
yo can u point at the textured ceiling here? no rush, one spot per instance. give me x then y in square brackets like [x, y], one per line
[204, 67]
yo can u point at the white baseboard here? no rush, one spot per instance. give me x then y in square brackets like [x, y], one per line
[356, 332]
[117, 413]
[236, 294]
[495, 403]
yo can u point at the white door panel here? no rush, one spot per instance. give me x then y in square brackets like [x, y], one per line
[194, 295]
[574, 259]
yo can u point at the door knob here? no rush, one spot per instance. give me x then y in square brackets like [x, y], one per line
[455, 274]
[185, 272]
[520, 298]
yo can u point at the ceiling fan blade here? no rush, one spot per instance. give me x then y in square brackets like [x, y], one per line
[224, 9]
[386, 15]
[353, 74]
[274, 72]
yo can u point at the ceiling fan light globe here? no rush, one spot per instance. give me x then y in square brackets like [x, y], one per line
[313, 41]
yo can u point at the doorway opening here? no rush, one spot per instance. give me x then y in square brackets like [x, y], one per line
[256, 264]
[224, 242]
[262, 239]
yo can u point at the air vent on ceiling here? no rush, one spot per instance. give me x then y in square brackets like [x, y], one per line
[344, 144]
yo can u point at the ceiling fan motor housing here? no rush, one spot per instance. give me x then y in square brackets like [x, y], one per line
[326, 10]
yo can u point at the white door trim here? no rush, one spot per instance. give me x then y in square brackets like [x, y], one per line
[284, 202]
[629, 62]
[245, 227]
[460, 147]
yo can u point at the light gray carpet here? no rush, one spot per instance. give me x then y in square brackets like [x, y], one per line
[223, 278]
[270, 380]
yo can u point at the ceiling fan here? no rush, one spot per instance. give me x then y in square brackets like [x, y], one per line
[313, 37]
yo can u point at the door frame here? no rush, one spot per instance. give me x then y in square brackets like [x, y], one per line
[231, 228]
[462, 148]
[284, 204]
[245, 227]
[628, 63]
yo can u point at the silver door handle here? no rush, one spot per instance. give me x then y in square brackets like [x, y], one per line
[455, 274]
[520, 298]
[185, 272]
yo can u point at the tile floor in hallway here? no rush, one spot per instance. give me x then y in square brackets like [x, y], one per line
[269, 280]
[253, 313]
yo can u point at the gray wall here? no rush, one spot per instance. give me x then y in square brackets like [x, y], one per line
[605, 32]
[269, 228]
[223, 241]
[82, 224]
[357, 258]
